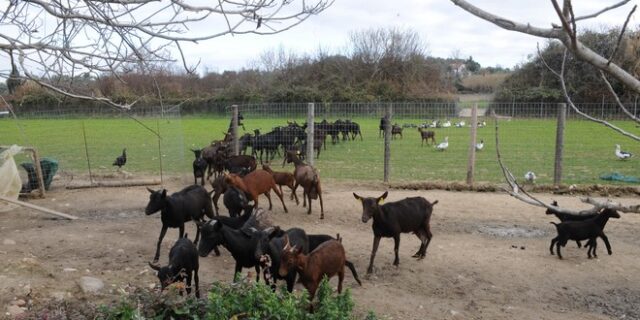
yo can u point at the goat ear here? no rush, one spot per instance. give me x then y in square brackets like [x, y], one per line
[357, 197]
[286, 243]
[164, 193]
[554, 203]
[150, 190]
[382, 197]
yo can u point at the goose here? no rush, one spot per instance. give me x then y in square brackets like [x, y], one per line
[482, 124]
[460, 124]
[480, 145]
[622, 155]
[446, 124]
[443, 145]
[530, 177]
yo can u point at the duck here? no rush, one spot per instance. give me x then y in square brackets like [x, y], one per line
[622, 155]
[446, 124]
[443, 145]
[480, 145]
[460, 124]
[530, 177]
[482, 124]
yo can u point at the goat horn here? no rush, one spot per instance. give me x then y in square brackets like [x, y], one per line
[286, 243]
[150, 190]
[154, 267]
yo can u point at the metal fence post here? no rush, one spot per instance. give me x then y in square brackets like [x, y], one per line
[472, 146]
[310, 140]
[234, 130]
[562, 117]
[387, 142]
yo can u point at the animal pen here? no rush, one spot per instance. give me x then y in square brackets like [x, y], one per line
[85, 141]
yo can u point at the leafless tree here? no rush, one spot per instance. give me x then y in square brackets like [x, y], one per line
[566, 33]
[56, 41]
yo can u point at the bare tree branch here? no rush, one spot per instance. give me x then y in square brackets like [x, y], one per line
[624, 27]
[593, 15]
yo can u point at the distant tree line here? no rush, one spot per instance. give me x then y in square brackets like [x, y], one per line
[532, 81]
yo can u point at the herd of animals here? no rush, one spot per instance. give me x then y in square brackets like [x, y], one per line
[290, 254]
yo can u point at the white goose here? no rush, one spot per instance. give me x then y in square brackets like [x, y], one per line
[443, 145]
[530, 177]
[622, 155]
[446, 124]
[460, 124]
[480, 145]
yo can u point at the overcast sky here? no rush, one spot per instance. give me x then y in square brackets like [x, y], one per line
[442, 25]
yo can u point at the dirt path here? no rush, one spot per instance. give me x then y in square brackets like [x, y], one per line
[489, 258]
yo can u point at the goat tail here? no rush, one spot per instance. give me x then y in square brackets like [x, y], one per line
[351, 267]
[434, 203]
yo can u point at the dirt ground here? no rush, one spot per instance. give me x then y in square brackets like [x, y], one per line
[489, 258]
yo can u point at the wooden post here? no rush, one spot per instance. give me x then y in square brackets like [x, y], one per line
[86, 152]
[310, 129]
[471, 166]
[39, 208]
[562, 118]
[387, 143]
[234, 131]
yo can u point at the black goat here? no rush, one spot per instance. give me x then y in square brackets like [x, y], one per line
[234, 199]
[183, 265]
[199, 167]
[271, 244]
[265, 143]
[384, 122]
[354, 129]
[191, 203]
[569, 217]
[240, 243]
[245, 141]
[391, 219]
[589, 229]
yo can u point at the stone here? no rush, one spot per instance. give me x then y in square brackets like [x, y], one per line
[8, 242]
[19, 303]
[69, 270]
[91, 284]
[15, 310]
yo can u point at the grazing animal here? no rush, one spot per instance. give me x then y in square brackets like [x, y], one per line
[384, 122]
[391, 219]
[240, 164]
[271, 244]
[328, 259]
[307, 177]
[396, 130]
[240, 243]
[622, 155]
[589, 229]
[426, 135]
[530, 177]
[122, 159]
[354, 129]
[569, 217]
[199, 167]
[283, 179]
[480, 145]
[182, 267]
[191, 203]
[460, 124]
[254, 184]
[443, 145]
[446, 124]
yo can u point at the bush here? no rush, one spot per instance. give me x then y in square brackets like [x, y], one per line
[241, 300]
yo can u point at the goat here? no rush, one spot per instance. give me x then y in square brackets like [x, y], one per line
[183, 265]
[265, 143]
[426, 135]
[191, 203]
[240, 243]
[199, 167]
[233, 198]
[245, 141]
[569, 217]
[391, 219]
[328, 259]
[396, 130]
[384, 122]
[283, 179]
[354, 129]
[308, 177]
[584, 230]
[240, 163]
[256, 183]
[271, 244]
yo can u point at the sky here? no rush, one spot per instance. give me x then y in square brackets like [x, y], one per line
[444, 27]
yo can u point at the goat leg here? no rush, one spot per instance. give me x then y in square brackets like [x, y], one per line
[279, 194]
[321, 205]
[188, 283]
[257, 267]
[376, 243]
[162, 233]
[553, 242]
[197, 280]
[606, 243]
[558, 249]
[268, 194]
[396, 248]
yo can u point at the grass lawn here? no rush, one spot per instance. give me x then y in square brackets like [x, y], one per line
[526, 145]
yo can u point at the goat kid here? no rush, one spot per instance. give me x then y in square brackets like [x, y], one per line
[182, 267]
[589, 229]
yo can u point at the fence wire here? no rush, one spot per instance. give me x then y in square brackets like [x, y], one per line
[527, 135]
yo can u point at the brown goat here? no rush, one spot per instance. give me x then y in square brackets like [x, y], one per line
[426, 135]
[395, 130]
[254, 184]
[307, 177]
[283, 179]
[328, 259]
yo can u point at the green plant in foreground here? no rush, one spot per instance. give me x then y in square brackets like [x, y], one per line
[242, 300]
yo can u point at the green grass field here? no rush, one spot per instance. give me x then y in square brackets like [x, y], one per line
[526, 145]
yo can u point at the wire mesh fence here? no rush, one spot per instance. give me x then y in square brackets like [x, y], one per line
[527, 140]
